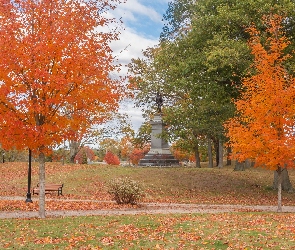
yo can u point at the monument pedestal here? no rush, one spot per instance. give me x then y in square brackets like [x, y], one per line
[159, 154]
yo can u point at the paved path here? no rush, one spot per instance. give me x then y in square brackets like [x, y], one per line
[146, 208]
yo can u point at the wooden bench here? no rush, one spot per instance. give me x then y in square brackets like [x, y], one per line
[50, 187]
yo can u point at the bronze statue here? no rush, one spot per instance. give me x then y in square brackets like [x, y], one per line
[159, 101]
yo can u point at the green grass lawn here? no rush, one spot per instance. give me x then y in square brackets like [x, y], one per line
[193, 231]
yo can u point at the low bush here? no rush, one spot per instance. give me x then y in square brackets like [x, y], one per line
[125, 190]
[111, 159]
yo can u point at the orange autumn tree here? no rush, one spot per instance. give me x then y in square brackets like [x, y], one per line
[263, 128]
[138, 153]
[55, 67]
[126, 147]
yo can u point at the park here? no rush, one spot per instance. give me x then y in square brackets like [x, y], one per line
[211, 167]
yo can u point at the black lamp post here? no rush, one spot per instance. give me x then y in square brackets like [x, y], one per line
[29, 177]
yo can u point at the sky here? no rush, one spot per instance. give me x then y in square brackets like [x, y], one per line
[143, 23]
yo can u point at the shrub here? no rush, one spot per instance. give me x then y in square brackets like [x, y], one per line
[111, 159]
[125, 190]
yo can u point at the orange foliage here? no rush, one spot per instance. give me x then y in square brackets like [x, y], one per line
[139, 152]
[111, 159]
[180, 154]
[54, 70]
[131, 152]
[263, 128]
[136, 155]
[192, 158]
[126, 147]
[183, 155]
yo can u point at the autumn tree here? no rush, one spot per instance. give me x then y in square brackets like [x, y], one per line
[138, 153]
[263, 128]
[111, 158]
[126, 148]
[55, 69]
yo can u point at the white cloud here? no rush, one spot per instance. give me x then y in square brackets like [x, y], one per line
[131, 7]
[131, 45]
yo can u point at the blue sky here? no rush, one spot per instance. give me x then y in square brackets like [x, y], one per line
[142, 21]
[145, 17]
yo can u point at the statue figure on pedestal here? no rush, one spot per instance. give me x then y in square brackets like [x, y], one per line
[159, 101]
[159, 154]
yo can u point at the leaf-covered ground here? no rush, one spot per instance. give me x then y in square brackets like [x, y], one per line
[59, 205]
[189, 231]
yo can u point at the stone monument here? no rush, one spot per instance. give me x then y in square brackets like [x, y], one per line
[159, 154]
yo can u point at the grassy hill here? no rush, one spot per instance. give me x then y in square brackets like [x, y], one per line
[184, 185]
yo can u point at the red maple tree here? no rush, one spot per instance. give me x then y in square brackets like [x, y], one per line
[55, 69]
[263, 128]
[111, 158]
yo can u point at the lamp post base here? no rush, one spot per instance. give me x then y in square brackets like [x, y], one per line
[29, 198]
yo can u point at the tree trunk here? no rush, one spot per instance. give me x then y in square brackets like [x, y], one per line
[239, 166]
[210, 155]
[249, 163]
[220, 153]
[228, 159]
[74, 149]
[63, 154]
[197, 156]
[286, 183]
[216, 148]
[42, 185]
[279, 172]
